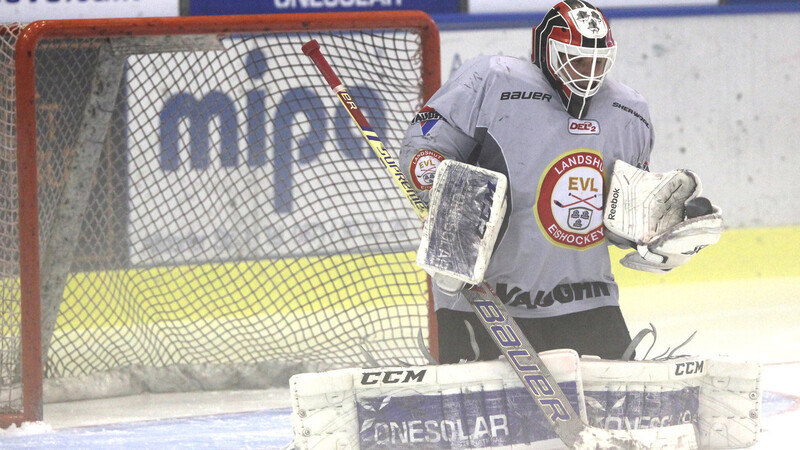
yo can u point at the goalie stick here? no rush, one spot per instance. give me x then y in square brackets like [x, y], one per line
[491, 311]
[311, 49]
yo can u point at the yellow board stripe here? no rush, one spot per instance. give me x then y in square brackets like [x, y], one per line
[288, 287]
[253, 288]
[740, 253]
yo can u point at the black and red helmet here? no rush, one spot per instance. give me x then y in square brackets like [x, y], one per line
[574, 48]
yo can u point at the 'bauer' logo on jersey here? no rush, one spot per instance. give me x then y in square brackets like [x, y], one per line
[525, 95]
[583, 126]
[569, 205]
[427, 117]
[423, 168]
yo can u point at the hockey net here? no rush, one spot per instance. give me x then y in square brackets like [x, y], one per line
[196, 211]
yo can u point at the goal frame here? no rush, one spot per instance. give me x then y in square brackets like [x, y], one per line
[29, 38]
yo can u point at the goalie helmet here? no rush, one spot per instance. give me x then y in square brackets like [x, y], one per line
[574, 48]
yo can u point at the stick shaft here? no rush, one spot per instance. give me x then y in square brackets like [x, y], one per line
[527, 364]
[311, 49]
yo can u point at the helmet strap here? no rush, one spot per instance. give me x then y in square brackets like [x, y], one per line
[578, 106]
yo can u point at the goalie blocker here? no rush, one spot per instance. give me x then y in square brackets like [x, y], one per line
[662, 216]
[466, 210]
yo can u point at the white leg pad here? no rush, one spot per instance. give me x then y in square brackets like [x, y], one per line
[324, 410]
[730, 404]
[681, 403]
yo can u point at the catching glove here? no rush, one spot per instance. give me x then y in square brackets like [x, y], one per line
[662, 216]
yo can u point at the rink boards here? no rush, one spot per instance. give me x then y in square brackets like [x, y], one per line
[744, 253]
[251, 288]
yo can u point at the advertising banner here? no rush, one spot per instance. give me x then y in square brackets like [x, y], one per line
[231, 162]
[518, 6]
[26, 11]
[208, 8]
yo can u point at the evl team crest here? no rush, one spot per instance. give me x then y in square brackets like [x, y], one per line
[569, 203]
[427, 118]
[580, 218]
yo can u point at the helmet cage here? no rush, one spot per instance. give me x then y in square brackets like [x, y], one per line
[574, 49]
[580, 69]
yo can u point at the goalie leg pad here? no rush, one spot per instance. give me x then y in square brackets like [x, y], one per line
[720, 398]
[677, 403]
[467, 207]
[730, 404]
[473, 405]
[324, 410]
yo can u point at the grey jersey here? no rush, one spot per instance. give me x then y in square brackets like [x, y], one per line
[500, 113]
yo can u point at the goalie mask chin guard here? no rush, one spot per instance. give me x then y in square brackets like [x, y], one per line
[575, 50]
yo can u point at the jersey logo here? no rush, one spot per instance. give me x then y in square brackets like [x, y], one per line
[423, 168]
[632, 112]
[589, 22]
[427, 117]
[569, 204]
[525, 95]
[583, 126]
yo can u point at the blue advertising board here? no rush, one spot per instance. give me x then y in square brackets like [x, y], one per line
[222, 7]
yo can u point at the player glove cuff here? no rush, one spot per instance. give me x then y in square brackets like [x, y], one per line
[677, 245]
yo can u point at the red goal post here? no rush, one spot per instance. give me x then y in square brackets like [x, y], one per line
[148, 241]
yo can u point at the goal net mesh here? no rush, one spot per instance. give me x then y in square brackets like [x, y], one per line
[211, 219]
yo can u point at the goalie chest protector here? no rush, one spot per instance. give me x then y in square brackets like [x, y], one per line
[501, 114]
